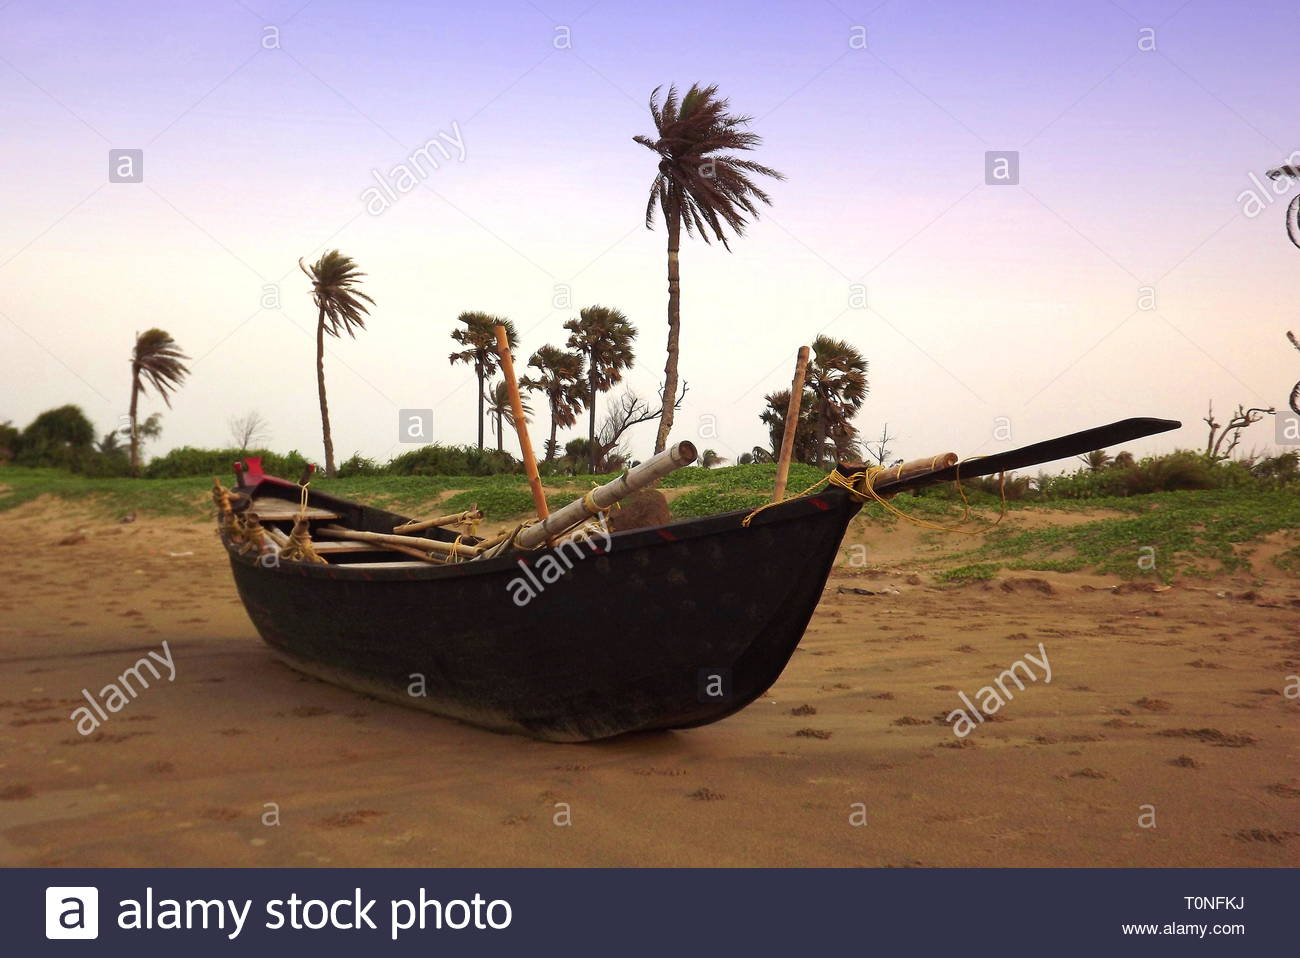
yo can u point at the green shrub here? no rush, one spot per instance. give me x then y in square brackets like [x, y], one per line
[189, 461]
[446, 460]
[359, 465]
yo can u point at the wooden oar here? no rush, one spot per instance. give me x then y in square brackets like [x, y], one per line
[409, 544]
[521, 427]
[791, 425]
[409, 527]
[1075, 444]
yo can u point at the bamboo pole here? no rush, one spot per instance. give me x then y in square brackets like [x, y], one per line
[791, 425]
[521, 427]
[401, 543]
[602, 497]
[276, 536]
[408, 527]
[916, 467]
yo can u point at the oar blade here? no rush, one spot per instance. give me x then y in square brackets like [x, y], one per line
[1075, 444]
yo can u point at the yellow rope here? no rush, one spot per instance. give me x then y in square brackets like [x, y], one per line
[299, 548]
[861, 486]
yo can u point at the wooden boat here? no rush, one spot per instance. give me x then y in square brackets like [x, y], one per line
[668, 627]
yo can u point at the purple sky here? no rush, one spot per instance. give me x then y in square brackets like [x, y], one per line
[984, 301]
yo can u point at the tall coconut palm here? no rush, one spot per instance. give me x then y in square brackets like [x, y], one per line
[156, 361]
[479, 338]
[560, 380]
[699, 185]
[837, 378]
[500, 412]
[340, 308]
[603, 337]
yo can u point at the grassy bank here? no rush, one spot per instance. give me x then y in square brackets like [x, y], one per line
[1164, 535]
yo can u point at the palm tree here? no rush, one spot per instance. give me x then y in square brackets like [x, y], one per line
[480, 341]
[837, 377]
[156, 361]
[340, 308]
[1293, 209]
[1294, 401]
[603, 337]
[1097, 460]
[1292, 231]
[560, 380]
[701, 186]
[501, 412]
[709, 459]
[773, 416]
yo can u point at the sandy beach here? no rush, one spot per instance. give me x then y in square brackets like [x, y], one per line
[1164, 708]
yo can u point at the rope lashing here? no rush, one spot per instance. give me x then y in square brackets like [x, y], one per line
[861, 487]
[299, 548]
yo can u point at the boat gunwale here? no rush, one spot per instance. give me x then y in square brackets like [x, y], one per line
[648, 537]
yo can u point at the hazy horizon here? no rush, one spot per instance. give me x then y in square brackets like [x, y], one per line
[263, 126]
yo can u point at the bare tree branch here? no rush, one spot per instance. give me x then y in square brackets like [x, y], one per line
[248, 430]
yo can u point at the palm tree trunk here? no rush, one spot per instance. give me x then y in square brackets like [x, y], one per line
[822, 430]
[500, 430]
[674, 329]
[479, 368]
[135, 436]
[320, 388]
[550, 446]
[591, 414]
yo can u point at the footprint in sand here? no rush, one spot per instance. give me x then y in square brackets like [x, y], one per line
[1212, 736]
[1153, 705]
[1282, 790]
[308, 711]
[706, 794]
[228, 732]
[812, 733]
[347, 819]
[1185, 761]
[15, 793]
[803, 710]
[1124, 723]
[161, 767]
[1264, 835]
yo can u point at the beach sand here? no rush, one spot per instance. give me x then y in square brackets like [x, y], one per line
[1163, 706]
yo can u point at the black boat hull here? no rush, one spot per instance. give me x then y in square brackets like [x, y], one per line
[670, 627]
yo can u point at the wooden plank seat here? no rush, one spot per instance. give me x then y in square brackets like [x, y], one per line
[335, 548]
[382, 565]
[281, 510]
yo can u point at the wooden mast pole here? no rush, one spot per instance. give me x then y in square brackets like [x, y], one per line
[791, 425]
[521, 427]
